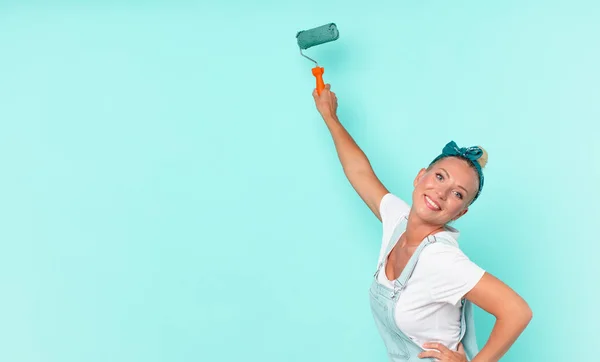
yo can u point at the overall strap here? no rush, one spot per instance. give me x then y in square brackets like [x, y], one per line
[469, 339]
[398, 230]
[400, 283]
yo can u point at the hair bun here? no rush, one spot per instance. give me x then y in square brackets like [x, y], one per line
[484, 158]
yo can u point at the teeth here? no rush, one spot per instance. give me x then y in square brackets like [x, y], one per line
[431, 202]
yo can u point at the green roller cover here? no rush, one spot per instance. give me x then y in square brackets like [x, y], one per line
[316, 36]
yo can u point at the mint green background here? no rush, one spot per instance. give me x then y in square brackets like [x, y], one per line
[169, 192]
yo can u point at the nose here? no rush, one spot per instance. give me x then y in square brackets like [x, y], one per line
[442, 192]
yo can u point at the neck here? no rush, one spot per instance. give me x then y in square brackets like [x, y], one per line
[417, 230]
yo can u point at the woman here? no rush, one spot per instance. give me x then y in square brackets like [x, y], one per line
[424, 286]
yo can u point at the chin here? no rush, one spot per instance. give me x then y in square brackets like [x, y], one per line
[428, 216]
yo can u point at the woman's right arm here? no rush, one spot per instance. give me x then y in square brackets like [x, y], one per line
[355, 163]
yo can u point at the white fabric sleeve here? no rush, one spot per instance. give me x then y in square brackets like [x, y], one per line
[392, 208]
[452, 273]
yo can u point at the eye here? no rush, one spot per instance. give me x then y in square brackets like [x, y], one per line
[458, 194]
[439, 176]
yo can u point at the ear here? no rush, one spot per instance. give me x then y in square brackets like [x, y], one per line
[461, 214]
[419, 176]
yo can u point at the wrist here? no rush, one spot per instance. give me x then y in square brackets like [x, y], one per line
[330, 118]
[483, 359]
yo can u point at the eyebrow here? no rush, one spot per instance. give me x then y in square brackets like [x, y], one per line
[448, 175]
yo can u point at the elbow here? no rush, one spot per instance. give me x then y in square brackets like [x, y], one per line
[516, 313]
[522, 314]
[525, 310]
[527, 314]
[357, 167]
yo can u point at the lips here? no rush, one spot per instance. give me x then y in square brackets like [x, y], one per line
[432, 205]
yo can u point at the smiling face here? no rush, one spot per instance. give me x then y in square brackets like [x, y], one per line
[444, 191]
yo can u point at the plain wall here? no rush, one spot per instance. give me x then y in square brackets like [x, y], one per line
[169, 192]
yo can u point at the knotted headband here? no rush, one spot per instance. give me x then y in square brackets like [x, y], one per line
[471, 154]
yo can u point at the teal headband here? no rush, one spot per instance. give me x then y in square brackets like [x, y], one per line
[470, 154]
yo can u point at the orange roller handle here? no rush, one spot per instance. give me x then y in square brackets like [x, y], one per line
[318, 73]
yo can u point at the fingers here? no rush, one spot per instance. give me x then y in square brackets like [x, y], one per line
[442, 353]
[430, 354]
[326, 89]
[439, 351]
[440, 347]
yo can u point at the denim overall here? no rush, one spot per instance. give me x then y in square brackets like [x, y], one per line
[383, 301]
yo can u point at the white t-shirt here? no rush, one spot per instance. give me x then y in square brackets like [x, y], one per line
[429, 308]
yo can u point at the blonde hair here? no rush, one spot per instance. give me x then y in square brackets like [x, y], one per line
[483, 159]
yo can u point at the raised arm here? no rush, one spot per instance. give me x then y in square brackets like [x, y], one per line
[355, 163]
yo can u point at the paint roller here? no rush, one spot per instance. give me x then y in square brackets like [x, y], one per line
[317, 36]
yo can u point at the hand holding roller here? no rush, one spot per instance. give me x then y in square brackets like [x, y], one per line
[318, 73]
[317, 36]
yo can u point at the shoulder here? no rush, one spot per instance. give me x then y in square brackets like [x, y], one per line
[443, 247]
[446, 260]
[451, 272]
[444, 251]
[392, 208]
